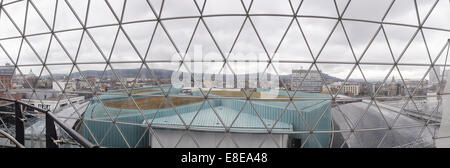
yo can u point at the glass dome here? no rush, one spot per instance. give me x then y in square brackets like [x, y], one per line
[198, 73]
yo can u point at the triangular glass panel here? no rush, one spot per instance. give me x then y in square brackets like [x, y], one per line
[342, 5]
[117, 7]
[88, 52]
[377, 9]
[316, 31]
[217, 7]
[123, 50]
[11, 48]
[293, 47]
[70, 40]
[155, 6]
[16, 13]
[225, 30]
[7, 29]
[28, 56]
[105, 37]
[102, 16]
[436, 40]
[374, 115]
[424, 7]
[337, 47]
[39, 44]
[80, 9]
[138, 37]
[161, 48]
[417, 52]
[271, 30]
[398, 37]
[66, 19]
[203, 48]
[4, 59]
[181, 32]
[360, 34]
[56, 54]
[438, 16]
[46, 8]
[137, 10]
[272, 7]
[318, 8]
[248, 46]
[35, 24]
[171, 9]
[378, 51]
[402, 12]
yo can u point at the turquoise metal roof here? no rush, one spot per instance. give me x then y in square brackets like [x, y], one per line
[207, 119]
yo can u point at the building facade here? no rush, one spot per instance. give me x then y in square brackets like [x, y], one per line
[6, 75]
[435, 77]
[312, 82]
[349, 89]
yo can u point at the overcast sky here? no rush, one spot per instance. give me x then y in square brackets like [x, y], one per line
[224, 29]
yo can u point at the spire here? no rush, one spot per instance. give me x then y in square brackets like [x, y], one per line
[31, 72]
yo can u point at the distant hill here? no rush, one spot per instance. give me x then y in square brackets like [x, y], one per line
[326, 76]
[160, 73]
[124, 73]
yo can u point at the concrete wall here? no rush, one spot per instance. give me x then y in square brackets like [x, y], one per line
[169, 138]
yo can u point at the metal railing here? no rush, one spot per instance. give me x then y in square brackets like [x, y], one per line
[51, 136]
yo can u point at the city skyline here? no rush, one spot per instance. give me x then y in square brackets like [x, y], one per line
[292, 46]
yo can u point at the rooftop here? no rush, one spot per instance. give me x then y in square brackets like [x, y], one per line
[6, 70]
[206, 119]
